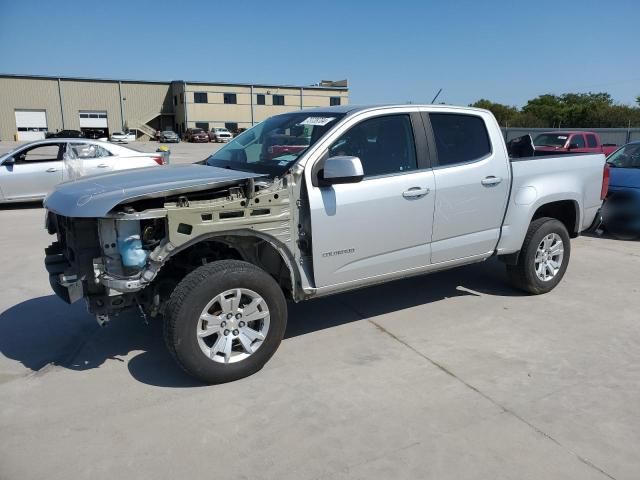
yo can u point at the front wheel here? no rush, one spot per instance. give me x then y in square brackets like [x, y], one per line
[225, 320]
[544, 257]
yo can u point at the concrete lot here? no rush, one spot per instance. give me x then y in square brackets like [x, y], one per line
[448, 376]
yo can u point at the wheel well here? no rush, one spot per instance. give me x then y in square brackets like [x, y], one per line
[254, 250]
[565, 210]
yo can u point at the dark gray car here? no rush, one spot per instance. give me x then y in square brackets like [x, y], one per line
[169, 136]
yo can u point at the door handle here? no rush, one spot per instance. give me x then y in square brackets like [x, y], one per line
[415, 192]
[52, 169]
[103, 165]
[490, 181]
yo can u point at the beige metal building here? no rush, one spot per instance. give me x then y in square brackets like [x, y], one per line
[30, 105]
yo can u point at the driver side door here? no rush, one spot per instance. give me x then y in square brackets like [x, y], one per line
[382, 225]
[34, 172]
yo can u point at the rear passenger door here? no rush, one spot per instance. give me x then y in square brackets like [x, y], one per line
[94, 158]
[472, 178]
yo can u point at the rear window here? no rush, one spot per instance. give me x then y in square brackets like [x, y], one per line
[459, 138]
[591, 141]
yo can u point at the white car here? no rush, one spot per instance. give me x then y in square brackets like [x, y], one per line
[220, 135]
[31, 171]
[123, 137]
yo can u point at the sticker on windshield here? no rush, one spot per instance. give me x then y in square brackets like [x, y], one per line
[562, 137]
[319, 121]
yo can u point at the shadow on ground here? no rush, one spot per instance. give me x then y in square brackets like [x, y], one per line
[46, 331]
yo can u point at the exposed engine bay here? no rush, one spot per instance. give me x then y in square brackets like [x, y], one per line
[136, 254]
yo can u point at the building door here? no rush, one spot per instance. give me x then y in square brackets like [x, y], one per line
[94, 123]
[31, 124]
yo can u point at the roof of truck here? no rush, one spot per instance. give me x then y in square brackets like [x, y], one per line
[350, 109]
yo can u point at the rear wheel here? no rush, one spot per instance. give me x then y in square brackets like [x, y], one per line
[225, 320]
[544, 257]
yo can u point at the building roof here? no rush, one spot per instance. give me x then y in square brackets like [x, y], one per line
[341, 85]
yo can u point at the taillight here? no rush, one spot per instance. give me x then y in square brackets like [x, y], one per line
[606, 173]
[159, 160]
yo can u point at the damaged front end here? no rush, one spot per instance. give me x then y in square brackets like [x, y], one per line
[134, 254]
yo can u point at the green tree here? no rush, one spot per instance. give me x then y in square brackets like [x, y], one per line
[503, 113]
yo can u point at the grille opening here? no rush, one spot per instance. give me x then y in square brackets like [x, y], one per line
[207, 217]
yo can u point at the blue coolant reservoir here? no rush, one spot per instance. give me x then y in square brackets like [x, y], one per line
[130, 245]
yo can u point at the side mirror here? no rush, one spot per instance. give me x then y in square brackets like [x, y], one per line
[9, 161]
[341, 169]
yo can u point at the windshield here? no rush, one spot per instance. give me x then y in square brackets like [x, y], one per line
[626, 157]
[272, 146]
[551, 140]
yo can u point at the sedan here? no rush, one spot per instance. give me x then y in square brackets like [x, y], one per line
[31, 171]
[123, 137]
[168, 136]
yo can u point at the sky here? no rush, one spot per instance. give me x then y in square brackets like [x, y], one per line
[390, 51]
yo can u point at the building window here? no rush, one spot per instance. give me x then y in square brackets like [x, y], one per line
[200, 97]
[333, 101]
[231, 126]
[278, 99]
[203, 125]
[260, 99]
[230, 98]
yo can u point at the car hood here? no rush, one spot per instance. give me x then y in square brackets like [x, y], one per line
[625, 177]
[97, 195]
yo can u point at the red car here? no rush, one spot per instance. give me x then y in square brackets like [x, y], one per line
[196, 135]
[572, 141]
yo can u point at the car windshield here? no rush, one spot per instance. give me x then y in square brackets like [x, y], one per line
[272, 146]
[626, 157]
[196, 130]
[169, 132]
[551, 140]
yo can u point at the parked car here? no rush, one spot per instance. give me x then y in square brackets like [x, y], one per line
[570, 141]
[197, 135]
[373, 198]
[95, 134]
[220, 135]
[168, 136]
[31, 171]
[65, 134]
[621, 210]
[123, 137]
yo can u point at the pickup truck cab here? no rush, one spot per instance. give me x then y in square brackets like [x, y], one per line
[571, 142]
[379, 193]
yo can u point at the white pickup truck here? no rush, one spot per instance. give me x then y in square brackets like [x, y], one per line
[371, 195]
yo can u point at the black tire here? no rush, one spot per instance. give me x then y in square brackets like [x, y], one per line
[523, 275]
[189, 299]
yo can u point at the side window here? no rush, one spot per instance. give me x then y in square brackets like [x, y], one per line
[41, 153]
[459, 138]
[278, 99]
[578, 141]
[260, 99]
[200, 97]
[385, 145]
[591, 141]
[230, 98]
[85, 150]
